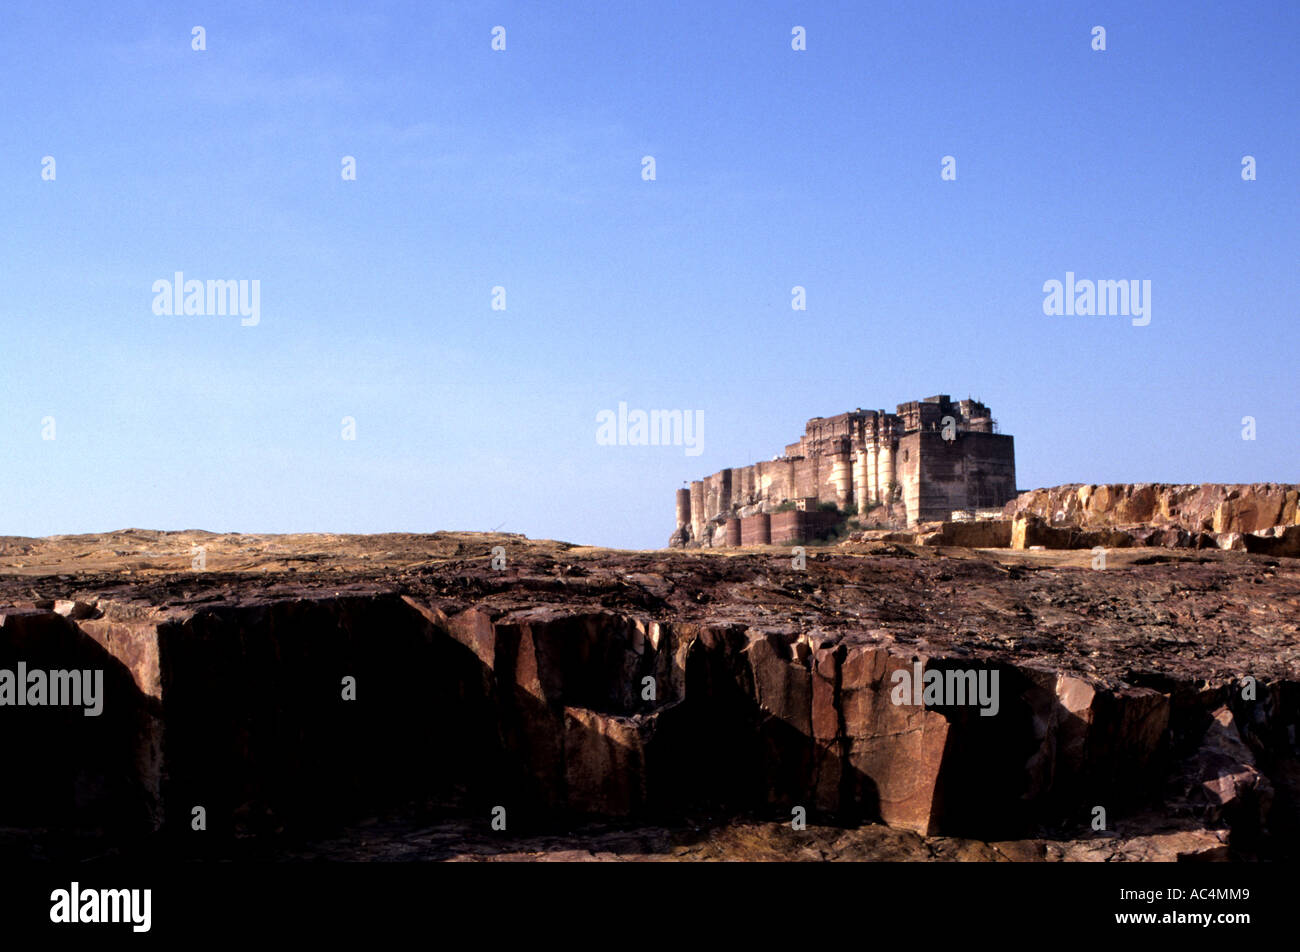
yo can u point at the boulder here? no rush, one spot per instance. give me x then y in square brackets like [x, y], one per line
[1029, 530]
[1220, 781]
[1279, 541]
[1229, 540]
[975, 534]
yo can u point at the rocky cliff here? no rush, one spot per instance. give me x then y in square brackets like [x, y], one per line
[1207, 507]
[647, 688]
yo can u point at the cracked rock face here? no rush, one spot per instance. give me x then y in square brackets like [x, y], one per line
[981, 706]
[1206, 507]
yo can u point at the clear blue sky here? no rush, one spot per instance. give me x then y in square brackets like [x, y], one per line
[522, 169]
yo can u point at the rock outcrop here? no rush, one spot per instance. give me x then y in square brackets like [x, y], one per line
[1029, 531]
[640, 687]
[1207, 507]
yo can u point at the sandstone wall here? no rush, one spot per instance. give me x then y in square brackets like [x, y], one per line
[795, 526]
[756, 530]
[938, 476]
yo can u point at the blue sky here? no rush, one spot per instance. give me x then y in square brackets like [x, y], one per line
[522, 169]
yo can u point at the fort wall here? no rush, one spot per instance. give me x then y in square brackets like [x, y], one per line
[937, 456]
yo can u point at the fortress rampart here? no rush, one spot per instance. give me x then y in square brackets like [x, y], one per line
[933, 456]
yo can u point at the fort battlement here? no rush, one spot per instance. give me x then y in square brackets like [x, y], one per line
[933, 456]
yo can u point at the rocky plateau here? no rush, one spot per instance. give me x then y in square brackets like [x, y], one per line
[667, 705]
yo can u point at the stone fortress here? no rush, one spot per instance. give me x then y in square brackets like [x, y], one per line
[932, 459]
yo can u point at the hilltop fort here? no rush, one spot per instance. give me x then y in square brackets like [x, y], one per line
[931, 459]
